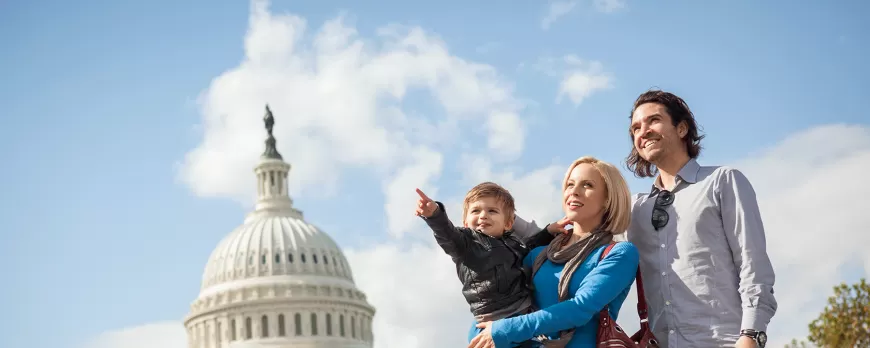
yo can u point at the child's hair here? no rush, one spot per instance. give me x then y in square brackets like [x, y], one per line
[490, 189]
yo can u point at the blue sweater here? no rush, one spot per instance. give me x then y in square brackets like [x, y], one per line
[594, 285]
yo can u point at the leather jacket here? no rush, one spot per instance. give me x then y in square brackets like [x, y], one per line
[490, 269]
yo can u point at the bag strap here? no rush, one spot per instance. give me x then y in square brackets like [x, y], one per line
[607, 250]
[642, 310]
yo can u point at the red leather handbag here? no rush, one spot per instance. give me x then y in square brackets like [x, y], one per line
[610, 334]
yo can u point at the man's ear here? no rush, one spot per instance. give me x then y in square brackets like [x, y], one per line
[682, 129]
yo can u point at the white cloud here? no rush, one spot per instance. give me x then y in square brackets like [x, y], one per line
[582, 79]
[168, 334]
[506, 136]
[556, 10]
[608, 6]
[579, 85]
[559, 9]
[337, 99]
[578, 79]
[400, 194]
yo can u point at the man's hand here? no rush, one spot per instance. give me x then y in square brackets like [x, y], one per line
[559, 226]
[425, 206]
[745, 342]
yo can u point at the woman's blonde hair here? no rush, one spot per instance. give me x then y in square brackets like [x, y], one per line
[617, 208]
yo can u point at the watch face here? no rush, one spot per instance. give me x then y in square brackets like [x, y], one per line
[762, 339]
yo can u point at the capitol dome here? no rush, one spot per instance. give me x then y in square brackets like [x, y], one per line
[277, 280]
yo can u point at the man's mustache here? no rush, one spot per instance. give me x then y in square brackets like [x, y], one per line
[650, 136]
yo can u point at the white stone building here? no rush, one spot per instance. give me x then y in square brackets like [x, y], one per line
[277, 280]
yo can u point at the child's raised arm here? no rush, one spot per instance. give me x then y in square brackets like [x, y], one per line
[453, 240]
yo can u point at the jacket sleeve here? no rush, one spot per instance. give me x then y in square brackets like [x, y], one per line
[453, 240]
[611, 276]
[745, 234]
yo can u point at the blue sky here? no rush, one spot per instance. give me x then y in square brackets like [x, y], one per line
[101, 105]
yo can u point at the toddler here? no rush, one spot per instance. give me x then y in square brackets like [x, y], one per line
[488, 255]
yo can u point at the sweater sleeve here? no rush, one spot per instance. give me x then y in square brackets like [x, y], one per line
[525, 229]
[541, 238]
[612, 275]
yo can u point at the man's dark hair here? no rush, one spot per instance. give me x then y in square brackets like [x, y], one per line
[679, 112]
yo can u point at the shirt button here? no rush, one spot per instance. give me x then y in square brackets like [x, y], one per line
[667, 303]
[672, 332]
[663, 246]
[663, 273]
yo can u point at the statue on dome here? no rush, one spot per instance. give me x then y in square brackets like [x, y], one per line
[269, 120]
[271, 149]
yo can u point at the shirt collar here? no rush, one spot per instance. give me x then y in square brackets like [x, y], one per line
[689, 174]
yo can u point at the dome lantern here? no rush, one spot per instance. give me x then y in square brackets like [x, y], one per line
[273, 195]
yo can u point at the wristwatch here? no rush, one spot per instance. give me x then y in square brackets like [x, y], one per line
[758, 336]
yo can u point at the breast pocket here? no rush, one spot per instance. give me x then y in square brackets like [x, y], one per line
[502, 279]
[467, 275]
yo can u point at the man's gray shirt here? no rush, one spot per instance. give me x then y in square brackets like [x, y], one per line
[706, 273]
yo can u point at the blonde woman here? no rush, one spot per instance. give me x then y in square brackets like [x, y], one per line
[572, 283]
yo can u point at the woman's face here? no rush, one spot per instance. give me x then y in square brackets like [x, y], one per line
[584, 195]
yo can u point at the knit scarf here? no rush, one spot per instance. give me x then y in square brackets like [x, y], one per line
[572, 256]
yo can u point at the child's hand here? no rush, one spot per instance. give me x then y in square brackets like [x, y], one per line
[425, 206]
[559, 226]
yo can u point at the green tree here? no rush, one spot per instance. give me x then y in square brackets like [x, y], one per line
[845, 322]
[797, 344]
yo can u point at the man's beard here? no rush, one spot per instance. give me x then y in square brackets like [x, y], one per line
[654, 157]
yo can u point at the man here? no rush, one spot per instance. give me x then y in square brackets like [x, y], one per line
[707, 275]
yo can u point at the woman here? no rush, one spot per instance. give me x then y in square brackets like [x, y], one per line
[571, 284]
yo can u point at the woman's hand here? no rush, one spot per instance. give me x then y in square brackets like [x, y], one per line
[559, 226]
[484, 338]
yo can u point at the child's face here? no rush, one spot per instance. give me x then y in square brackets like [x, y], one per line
[488, 216]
